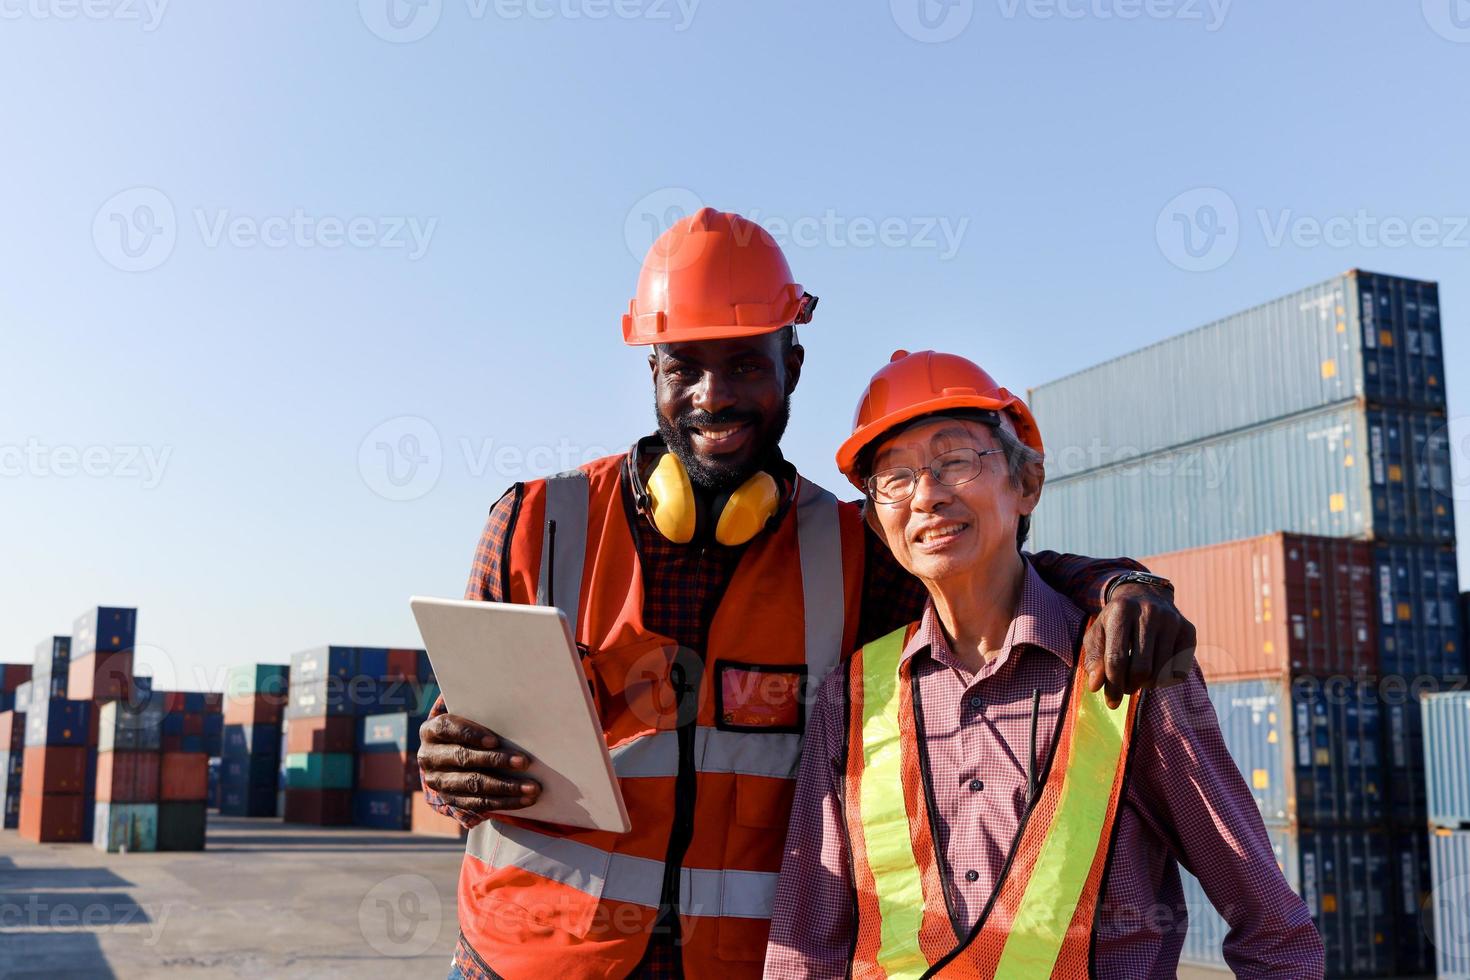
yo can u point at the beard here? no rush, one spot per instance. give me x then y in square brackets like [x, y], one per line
[719, 475]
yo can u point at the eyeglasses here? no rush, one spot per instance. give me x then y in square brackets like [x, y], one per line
[897, 484]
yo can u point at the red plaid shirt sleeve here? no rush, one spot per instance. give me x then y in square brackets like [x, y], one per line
[485, 584]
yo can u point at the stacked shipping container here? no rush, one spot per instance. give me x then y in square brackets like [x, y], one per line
[250, 758]
[12, 676]
[1446, 749]
[125, 816]
[1321, 413]
[387, 771]
[53, 796]
[331, 689]
[12, 749]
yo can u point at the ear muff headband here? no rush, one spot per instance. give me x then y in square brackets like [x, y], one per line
[679, 514]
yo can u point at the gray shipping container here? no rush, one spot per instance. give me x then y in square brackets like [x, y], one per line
[1449, 860]
[1357, 336]
[1447, 758]
[1346, 879]
[1343, 472]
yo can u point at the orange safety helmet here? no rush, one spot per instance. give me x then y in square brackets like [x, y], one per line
[912, 385]
[713, 276]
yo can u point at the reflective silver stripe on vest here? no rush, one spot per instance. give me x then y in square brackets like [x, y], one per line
[819, 539]
[621, 877]
[567, 496]
[741, 894]
[745, 753]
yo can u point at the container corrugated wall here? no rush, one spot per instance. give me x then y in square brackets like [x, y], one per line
[1449, 859]
[1357, 336]
[1346, 879]
[1307, 752]
[1447, 758]
[1278, 604]
[1345, 472]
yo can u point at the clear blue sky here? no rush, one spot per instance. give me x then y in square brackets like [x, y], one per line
[530, 144]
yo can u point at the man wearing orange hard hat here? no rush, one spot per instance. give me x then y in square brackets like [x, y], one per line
[969, 803]
[711, 588]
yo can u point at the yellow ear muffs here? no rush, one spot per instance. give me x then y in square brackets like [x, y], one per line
[747, 510]
[671, 504]
[681, 514]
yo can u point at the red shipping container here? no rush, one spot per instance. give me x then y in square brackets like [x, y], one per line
[127, 777]
[397, 772]
[330, 734]
[12, 731]
[53, 769]
[14, 676]
[430, 822]
[403, 665]
[52, 819]
[323, 807]
[1279, 604]
[183, 776]
[173, 701]
[194, 724]
[255, 709]
[101, 677]
[214, 702]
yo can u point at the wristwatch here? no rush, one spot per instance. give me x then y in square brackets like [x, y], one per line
[1141, 578]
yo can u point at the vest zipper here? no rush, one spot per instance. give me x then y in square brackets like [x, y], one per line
[685, 787]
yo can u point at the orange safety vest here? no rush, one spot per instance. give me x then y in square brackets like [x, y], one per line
[537, 900]
[1040, 918]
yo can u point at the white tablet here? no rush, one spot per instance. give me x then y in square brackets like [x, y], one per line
[515, 670]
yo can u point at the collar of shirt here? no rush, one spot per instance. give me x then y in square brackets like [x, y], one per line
[1044, 619]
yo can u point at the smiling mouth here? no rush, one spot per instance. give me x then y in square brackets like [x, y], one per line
[940, 534]
[722, 434]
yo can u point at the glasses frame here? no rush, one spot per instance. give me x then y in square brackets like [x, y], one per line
[931, 470]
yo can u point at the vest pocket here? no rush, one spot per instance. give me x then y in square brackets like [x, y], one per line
[541, 884]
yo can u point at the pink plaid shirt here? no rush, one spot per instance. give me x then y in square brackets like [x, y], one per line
[1185, 802]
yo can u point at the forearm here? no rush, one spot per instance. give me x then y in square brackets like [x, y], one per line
[1081, 579]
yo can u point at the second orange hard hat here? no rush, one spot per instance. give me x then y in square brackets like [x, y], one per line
[925, 383]
[713, 276]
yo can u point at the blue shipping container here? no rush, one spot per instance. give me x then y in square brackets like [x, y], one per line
[242, 740]
[1446, 735]
[1344, 876]
[103, 629]
[383, 810]
[247, 801]
[52, 657]
[372, 662]
[1413, 925]
[57, 722]
[250, 770]
[1308, 751]
[1418, 611]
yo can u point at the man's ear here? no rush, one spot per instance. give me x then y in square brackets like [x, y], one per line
[653, 364]
[1033, 477]
[795, 357]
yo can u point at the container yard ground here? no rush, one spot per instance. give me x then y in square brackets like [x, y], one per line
[267, 899]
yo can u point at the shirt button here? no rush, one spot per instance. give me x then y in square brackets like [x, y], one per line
[976, 786]
[975, 702]
[972, 875]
